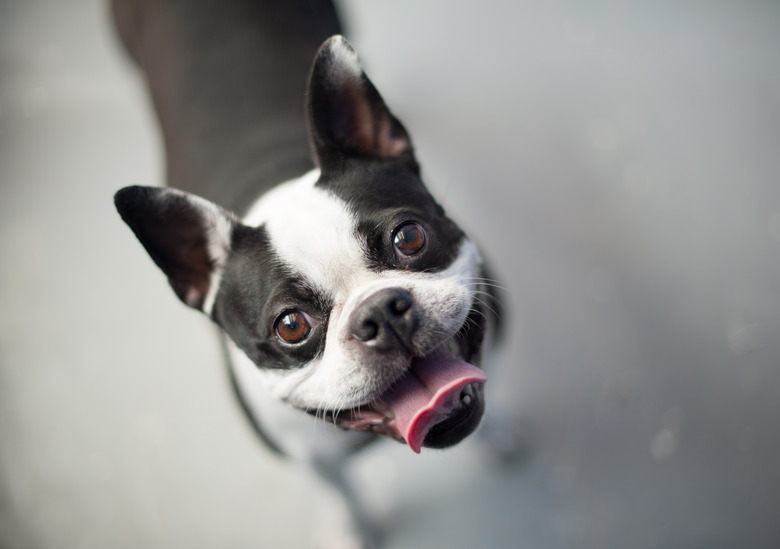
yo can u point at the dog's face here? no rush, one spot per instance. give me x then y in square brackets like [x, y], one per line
[349, 288]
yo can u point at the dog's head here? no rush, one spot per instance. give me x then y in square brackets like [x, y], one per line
[357, 298]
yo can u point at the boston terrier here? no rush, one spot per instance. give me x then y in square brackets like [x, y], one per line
[350, 305]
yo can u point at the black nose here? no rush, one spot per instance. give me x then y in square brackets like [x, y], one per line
[385, 320]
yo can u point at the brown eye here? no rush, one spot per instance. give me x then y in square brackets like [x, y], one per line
[409, 239]
[292, 327]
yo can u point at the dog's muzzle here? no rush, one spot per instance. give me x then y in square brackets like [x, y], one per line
[438, 401]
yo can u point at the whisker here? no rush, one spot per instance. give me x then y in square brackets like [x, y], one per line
[491, 309]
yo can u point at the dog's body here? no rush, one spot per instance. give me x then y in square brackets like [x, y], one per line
[345, 294]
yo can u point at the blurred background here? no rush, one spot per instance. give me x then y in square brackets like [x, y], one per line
[618, 161]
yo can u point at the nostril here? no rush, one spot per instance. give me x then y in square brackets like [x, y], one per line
[401, 304]
[366, 331]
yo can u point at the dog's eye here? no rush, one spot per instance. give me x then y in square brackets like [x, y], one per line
[409, 239]
[292, 326]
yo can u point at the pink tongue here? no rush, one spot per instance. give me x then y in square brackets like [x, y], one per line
[428, 393]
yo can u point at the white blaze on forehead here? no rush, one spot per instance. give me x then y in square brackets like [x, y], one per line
[313, 232]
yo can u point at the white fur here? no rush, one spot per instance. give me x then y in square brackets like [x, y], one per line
[313, 232]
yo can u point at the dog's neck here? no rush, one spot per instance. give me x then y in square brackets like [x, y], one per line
[232, 114]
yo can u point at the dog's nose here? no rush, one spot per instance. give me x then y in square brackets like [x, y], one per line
[385, 320]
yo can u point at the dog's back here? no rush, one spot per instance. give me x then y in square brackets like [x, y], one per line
[227, 81]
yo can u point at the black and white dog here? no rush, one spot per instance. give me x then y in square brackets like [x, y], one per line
[345, 294]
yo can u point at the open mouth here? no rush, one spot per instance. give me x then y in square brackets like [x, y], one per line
[437, 403]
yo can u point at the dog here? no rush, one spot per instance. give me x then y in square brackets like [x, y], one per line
[296, 219]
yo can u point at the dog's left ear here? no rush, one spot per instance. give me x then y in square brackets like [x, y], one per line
[188, 237]
[347, 116]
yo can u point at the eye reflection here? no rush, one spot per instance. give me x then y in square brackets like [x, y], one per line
[292, 326]
[409, 239]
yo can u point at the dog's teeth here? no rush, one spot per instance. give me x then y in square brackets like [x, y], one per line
[465, 399]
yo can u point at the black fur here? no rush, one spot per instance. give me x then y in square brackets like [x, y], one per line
[240, 130]
[348, 118]
[256, 288]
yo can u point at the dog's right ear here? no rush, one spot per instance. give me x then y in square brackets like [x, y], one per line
[188, 237]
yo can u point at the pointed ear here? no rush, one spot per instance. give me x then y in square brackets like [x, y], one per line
[188, 237]
[347, 116]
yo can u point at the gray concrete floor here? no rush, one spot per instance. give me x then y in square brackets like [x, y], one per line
[620, 162]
